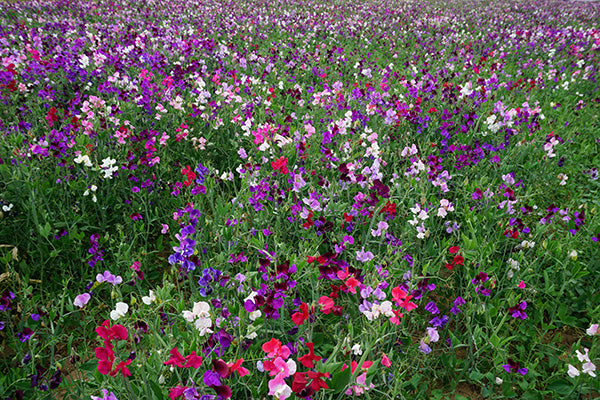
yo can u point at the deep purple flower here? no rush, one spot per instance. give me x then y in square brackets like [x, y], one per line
[5, 303]
[480, 278]
[518, 311]
[513, 366]
[25, 335]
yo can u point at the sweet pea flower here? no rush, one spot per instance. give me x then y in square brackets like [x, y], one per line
[81, 300]
[572, 371]
[120, 311]
[110, 278]
[364, 256]
[105, 396]
[149, 299]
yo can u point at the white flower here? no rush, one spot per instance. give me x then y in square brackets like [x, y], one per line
[356, 350]
[499, 381]
[8, 207]
[423, 215]
[203, 325]
[589, 368]
[83, 159]
[254, 315]
[572, 372]
[583, 357]
[592, 330]
[563, 179]
[149, 299]
[200, 310]
[120, 311]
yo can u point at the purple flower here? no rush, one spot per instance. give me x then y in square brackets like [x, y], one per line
[211, 378]
[110, 278]
[518, 311]
[439, 322]
[513, 366]
[432, 308]
[459, 301]
[5, 303]
[82, 299]
[105, 396]
[364, 256]
[25, 335]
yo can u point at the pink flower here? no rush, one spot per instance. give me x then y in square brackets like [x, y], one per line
[522, 285]
[238, 367]
[385, 361]
[326, 304]
[274, 349]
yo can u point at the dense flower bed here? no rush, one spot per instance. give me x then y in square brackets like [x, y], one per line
[321, 200]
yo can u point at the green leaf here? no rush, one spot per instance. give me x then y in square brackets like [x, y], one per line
[156, 389]
[476, 375]
[340, 380]
[560, 386]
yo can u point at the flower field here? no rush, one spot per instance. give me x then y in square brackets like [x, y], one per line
[299, 199]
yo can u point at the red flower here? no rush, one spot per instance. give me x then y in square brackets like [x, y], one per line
[176, 358]
[299, 382]
[403, 299]
[177, 391]
[238, 367]
[193, 361]
[280, 165]
[307, 359]
[105, 358]
[299, 317]
[317, 381]
[458, 260]
[107, 332]
[454, 249]
[352, 283]
[122, 366]
[189, 174]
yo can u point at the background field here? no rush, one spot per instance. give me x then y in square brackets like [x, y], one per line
[322, 200]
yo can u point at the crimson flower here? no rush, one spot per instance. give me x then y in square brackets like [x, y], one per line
[317, 380]
[307, 359]
[176, 358]
[122, 367]
[193, 361]
[280, 165]
[299, 317]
